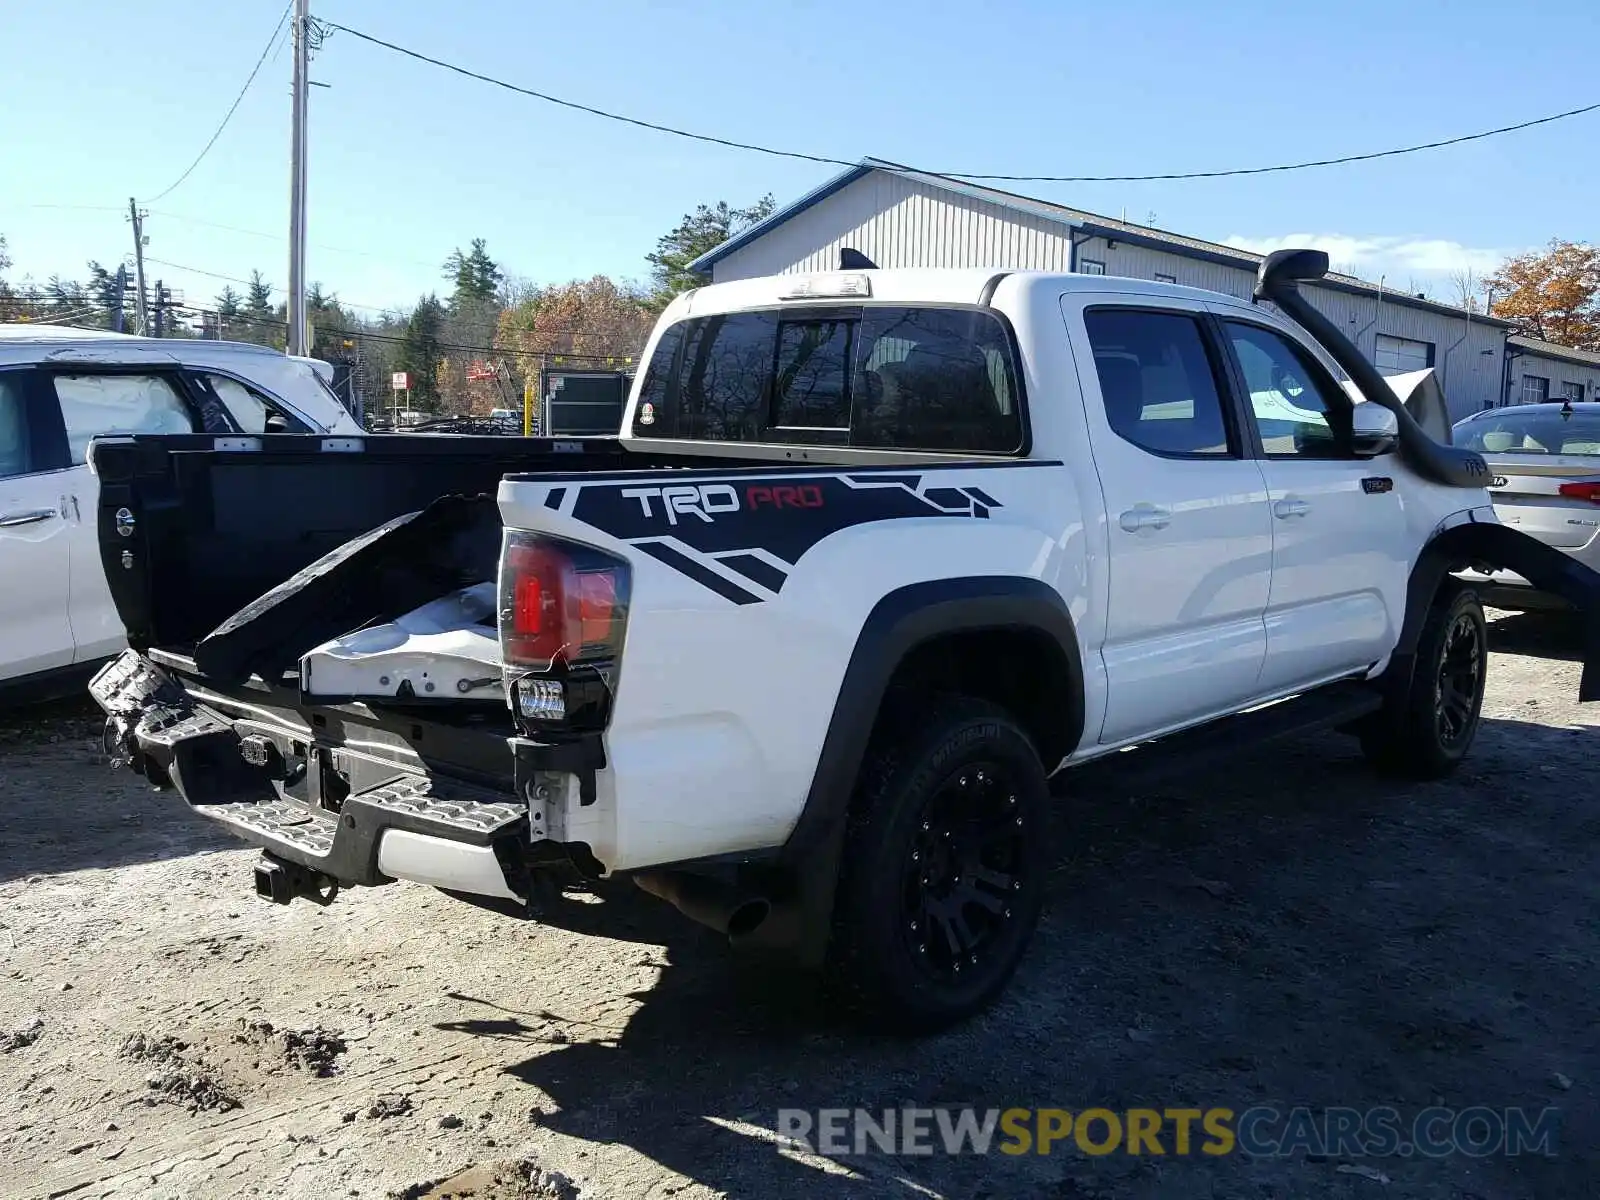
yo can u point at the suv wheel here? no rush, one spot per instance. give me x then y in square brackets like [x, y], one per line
[1426, 728]
[943, 866]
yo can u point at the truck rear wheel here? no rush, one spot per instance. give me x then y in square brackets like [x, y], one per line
[943, 866]
[1427, 726]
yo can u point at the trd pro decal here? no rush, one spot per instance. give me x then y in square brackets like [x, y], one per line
[752, 528]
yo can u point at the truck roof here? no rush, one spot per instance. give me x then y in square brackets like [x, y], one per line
[922, 285]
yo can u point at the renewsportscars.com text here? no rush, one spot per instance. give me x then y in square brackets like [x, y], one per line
[1260, 1131]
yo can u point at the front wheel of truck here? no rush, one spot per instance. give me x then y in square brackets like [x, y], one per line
[943, 865]
[1427, 724]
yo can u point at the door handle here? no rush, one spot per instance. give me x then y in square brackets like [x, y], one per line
[1145, 516]
[1284, 509]
[13, 520]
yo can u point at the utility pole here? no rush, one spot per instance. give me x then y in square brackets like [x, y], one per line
[137, 218]
[297, 180]
[161, 309]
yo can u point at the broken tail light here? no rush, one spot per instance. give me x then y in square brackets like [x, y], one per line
[563, 610]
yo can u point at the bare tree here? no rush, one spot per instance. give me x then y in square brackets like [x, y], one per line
[1468, 289]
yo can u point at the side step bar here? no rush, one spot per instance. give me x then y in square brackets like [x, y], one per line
[1215, 742]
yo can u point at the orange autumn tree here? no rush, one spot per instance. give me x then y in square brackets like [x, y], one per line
[1552, 294]
[595, 317]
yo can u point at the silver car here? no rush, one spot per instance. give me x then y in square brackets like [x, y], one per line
[1546, 464]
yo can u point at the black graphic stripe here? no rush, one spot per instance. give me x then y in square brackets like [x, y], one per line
[908, 481]
[685, 565]
[784, 519]
[982, 497]
[756, 570]
[555, 496]
[755, 474]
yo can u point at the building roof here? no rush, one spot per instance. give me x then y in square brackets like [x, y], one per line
[1092, 223]
[1588, 358]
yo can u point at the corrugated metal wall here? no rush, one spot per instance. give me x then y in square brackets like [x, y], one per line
[1558, 371]
[901, 222]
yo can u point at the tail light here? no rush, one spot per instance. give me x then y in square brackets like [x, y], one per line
[563, 611]
[1588, 490]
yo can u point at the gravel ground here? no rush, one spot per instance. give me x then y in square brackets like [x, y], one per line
[1287, 930]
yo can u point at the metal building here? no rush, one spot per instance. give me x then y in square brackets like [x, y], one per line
[1538, 371]
[904, 218]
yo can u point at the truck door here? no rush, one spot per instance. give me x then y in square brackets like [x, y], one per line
[1341, 549]
[35, 634]
[1188, 524]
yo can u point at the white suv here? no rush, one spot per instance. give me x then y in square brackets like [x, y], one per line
[61, 388]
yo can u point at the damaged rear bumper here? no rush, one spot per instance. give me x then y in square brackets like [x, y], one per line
[352, 819]
[1470, 547]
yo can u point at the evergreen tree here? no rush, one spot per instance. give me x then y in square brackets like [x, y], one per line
[229, 309]
[104, 291]
[420, 352]
[260, 319]
[476, 276]
[702, 230]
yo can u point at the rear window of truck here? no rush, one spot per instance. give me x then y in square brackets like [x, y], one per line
[871, 377]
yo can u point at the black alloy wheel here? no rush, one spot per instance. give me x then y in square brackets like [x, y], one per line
[1430, 716]
[967, 862]
[943, 866]
[1458, 686]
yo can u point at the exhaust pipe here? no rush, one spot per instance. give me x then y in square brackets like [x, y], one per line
[714, 904]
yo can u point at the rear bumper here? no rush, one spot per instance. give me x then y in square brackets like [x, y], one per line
[282, 794]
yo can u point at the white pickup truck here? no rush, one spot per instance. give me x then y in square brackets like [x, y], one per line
[877, 553]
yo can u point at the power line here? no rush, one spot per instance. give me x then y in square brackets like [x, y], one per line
[375, 335]
[228, 116]
[249, 282]
[116, 208]
[185, 219]
[395, 339]
[279, 237]
[973, 175]
[193, 311]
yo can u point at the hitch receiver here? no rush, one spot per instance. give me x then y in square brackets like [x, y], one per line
[281, 881]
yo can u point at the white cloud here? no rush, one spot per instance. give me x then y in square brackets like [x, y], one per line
[1391, 256]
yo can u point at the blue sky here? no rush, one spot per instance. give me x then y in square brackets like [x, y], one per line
[105, 100]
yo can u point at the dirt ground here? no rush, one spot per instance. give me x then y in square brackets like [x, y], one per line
[1285, 930]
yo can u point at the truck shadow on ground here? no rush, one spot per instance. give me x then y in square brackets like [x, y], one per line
[1557, 635]
[64, 808]
[1240, 938]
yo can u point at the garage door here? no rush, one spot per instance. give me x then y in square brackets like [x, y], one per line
[1397, 355]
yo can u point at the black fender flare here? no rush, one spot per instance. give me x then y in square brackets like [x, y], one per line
[1493, 544]
[801, 877]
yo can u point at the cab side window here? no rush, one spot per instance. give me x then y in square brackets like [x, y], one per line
[1159, 383]
[96, 405]
[16, 453]
[250, 410]
[1297, 409]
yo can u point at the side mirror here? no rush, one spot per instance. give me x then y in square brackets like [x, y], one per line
[275, 423]
[1374, 431]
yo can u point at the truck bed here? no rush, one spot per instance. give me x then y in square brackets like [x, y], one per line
[193, 528]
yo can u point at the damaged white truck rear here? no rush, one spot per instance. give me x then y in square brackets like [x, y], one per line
[876, 554]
